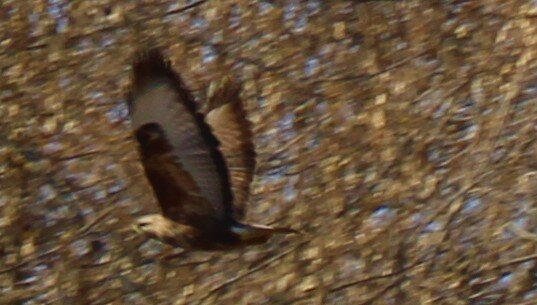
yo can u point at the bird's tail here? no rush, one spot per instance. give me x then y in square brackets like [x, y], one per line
[256, 234]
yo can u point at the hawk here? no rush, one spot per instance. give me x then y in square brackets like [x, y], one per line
[200, 165]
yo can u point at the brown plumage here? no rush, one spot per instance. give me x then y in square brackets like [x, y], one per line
[200, 166]
[226, 115]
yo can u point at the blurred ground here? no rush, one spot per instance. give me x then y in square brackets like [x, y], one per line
[399, 135]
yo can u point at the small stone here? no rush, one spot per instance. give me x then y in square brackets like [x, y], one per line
[188, 290]
[50, 126]
[381, 99]
[28, 248]
[378, 119]
[339, 30]
[429, 186]
[308, 283]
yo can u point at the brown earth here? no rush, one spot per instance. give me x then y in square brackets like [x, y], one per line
[400, 136]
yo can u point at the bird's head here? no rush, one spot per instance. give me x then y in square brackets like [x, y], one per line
[163, 229]
[153, 225]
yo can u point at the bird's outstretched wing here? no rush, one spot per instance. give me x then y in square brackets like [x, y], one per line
[226, 115]
[177, 192]
[179, 153]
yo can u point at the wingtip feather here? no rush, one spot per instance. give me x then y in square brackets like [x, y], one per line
[222, 92]
[151, 64]
[151, 67]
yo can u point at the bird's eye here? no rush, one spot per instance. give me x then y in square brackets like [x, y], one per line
[143, 224]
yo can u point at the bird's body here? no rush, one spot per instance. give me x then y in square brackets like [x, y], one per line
[200, 166]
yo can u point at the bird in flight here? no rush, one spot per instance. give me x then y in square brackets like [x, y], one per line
[200, 165]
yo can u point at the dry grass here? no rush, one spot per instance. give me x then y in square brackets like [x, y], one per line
[399, 135]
